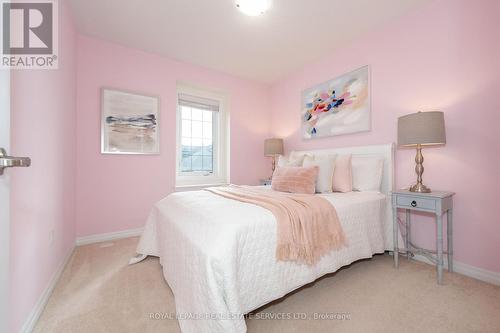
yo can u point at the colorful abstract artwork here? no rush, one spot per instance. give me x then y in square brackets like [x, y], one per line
[129, 123]
[339, 106]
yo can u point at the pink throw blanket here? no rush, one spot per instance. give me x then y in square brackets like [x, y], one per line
[308, 225]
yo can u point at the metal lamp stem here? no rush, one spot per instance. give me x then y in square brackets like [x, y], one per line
[419, 169]
[273, 165]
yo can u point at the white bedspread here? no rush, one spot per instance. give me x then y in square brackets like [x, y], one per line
[218, 255]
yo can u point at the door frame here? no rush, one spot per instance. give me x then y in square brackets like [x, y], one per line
[4, 202]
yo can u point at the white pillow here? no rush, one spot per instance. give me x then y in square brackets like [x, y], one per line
[290, 162]
[326, 165]
[367, 173]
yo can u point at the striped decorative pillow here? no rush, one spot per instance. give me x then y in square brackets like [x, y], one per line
[295, 179]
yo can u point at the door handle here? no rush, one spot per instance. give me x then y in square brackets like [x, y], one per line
[11, 161]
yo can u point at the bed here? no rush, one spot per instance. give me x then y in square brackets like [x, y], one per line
[218, 254]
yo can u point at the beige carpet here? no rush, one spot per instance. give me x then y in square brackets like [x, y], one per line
[99, 292]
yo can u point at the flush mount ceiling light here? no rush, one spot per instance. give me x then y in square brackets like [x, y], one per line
[253, 7]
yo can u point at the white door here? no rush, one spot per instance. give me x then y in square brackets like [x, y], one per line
[4, 201]
[6, 162]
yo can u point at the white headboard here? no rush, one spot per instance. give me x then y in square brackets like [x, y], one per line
[387, 152]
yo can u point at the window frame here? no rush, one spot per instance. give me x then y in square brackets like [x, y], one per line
[215, 149]
[220, 135]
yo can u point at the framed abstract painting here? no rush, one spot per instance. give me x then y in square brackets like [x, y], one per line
[129, 123]
[339, 106]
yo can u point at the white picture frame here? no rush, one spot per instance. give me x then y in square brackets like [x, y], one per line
[129, 122]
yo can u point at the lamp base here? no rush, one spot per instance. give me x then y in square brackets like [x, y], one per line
[419, 170]
[420, 188]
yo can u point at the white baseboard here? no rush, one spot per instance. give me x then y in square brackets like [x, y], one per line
[35, 313]
[108, 236]
[467, 270]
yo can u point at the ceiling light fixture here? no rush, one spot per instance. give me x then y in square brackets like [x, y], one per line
[253, 7]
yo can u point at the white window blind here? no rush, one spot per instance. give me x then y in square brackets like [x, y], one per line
[198, 102]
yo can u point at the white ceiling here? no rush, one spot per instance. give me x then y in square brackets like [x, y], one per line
[214, 34]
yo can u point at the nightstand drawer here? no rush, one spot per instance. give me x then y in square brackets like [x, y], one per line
[266, 182]
[416, 202]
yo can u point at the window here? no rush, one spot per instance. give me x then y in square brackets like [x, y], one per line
[201, 138]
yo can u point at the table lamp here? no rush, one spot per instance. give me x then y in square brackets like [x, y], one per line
[273, 147]
[417, 130]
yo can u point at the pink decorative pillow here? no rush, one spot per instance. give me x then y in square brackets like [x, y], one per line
[295, 179]
[342, 175]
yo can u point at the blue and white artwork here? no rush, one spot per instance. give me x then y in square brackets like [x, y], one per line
[129, 124]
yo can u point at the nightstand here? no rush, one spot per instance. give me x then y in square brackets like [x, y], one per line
[437, 203]
[266, 182]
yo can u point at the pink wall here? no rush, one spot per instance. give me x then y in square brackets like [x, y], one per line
[116, 192]
[43, 195]
[443, 57]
